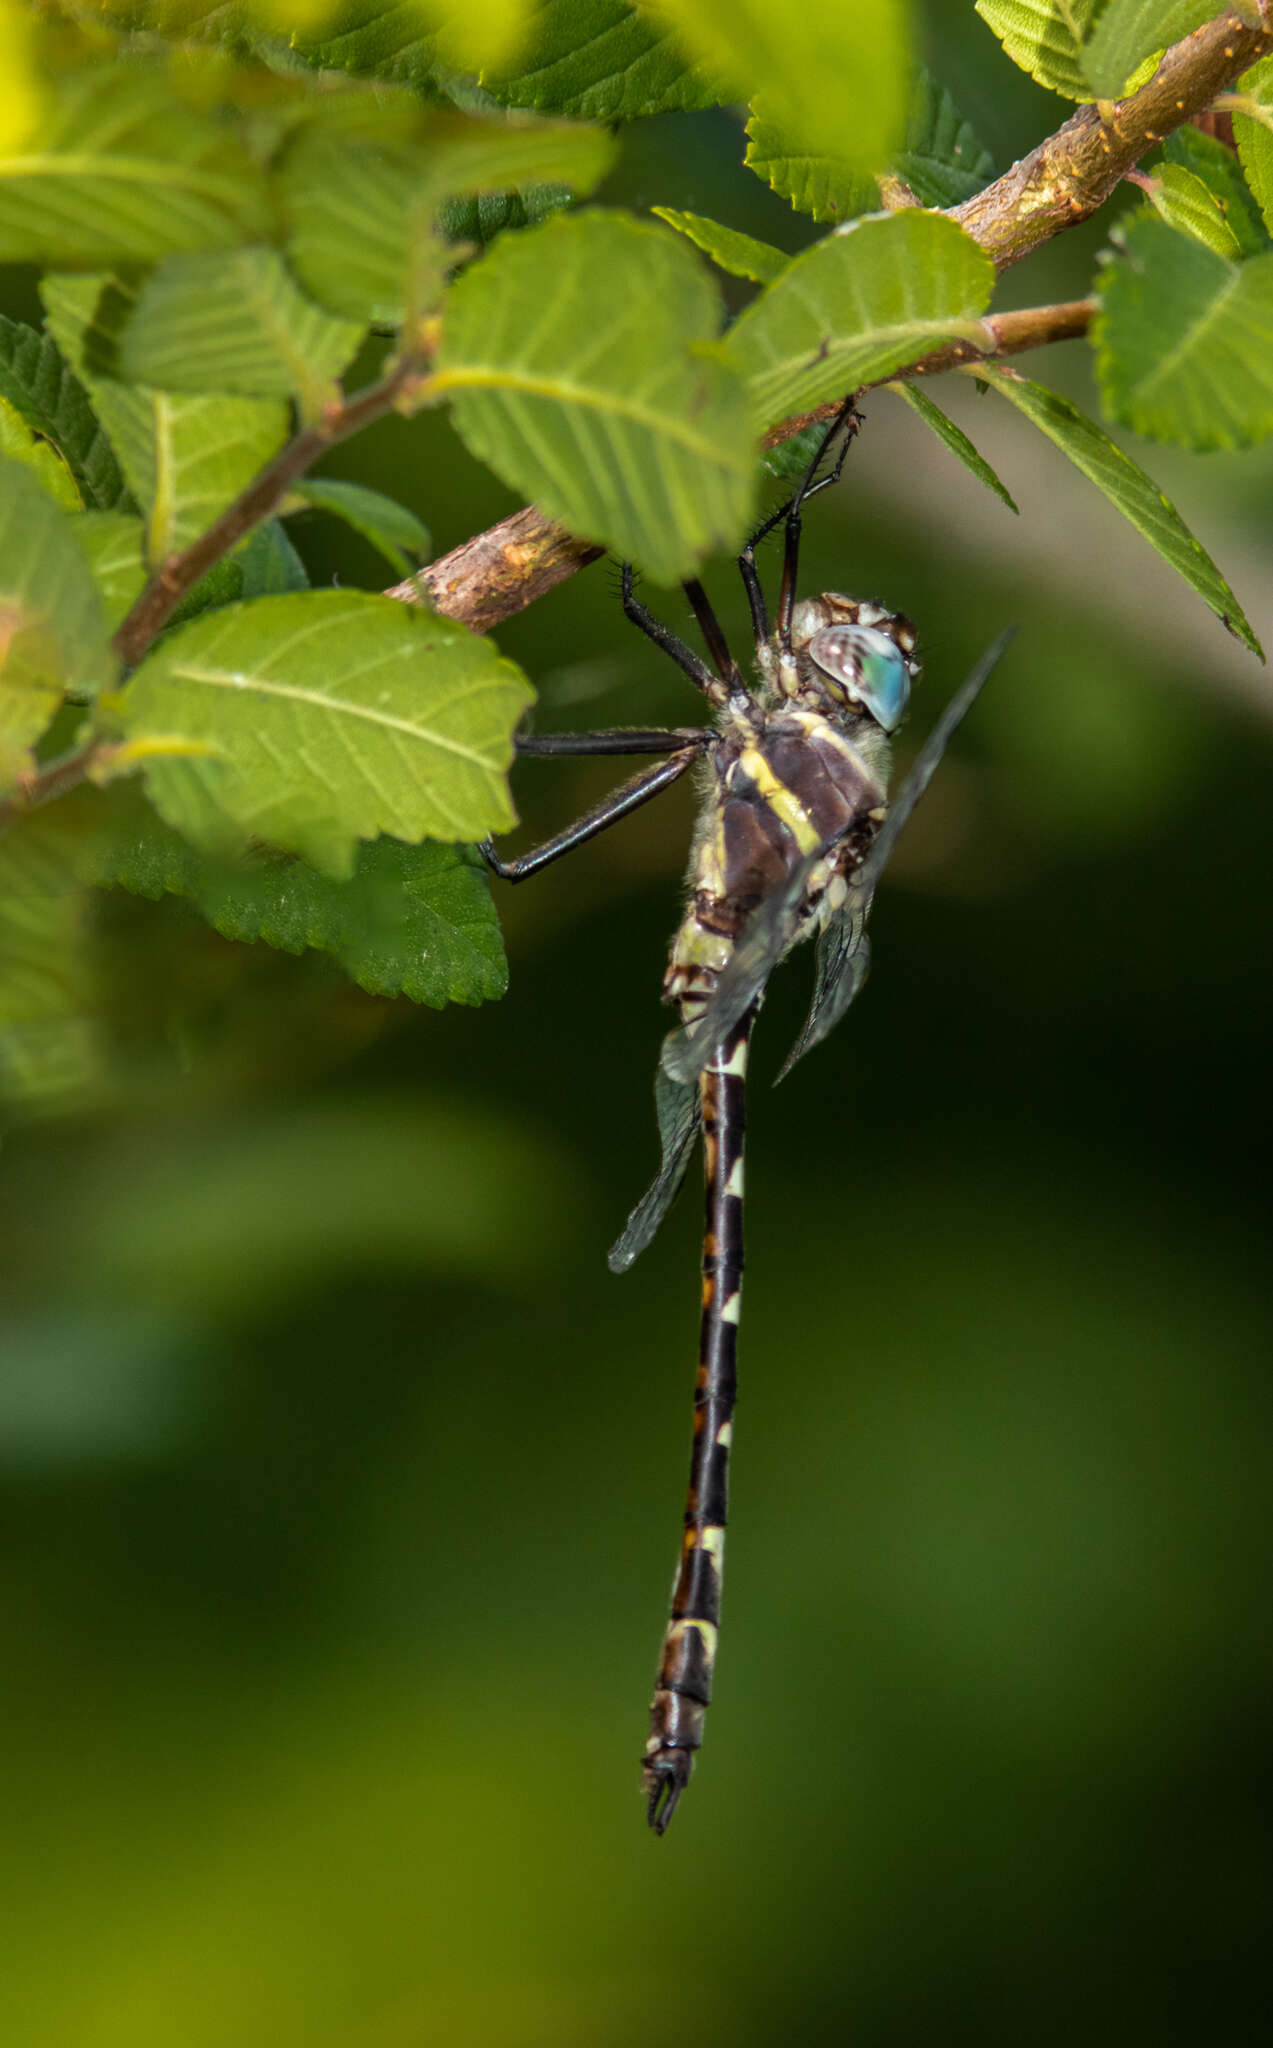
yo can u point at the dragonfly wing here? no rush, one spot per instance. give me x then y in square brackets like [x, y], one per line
[677, 1107]
[844, 952]
[840, 968]
[764, 940]
[924, 766]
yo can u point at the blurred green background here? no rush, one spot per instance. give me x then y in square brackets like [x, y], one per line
[342, 1482]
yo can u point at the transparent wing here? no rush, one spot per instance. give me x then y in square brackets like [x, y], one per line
[925, 763]
[764, 940]
[844, 952]
[677, 1108]
[840, 968]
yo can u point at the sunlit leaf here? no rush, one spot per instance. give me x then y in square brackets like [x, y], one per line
[22, 96]
[819, 183]
[1129, 31]
[1128, 488]
[1184, 202]
[53, 634]
[1184, 340]
[185, 458]
[19, 443]
[365, 216]
[49, 1054]
[1253, 133]
[834, 78]
[395, 531]
[1219, 170]
[1046, 38]
[112, 541]
[416, 921]
[581, 361]
[954, 438]
[940, 158]
[603, 61]
[233, 321]
[313, 720]
[741, 255]
[857, 306]
[36, 379]
[123, 172]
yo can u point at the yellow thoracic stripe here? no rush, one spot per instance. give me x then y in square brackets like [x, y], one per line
[785, 805]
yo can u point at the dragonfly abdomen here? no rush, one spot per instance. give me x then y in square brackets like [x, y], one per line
[683, 1688]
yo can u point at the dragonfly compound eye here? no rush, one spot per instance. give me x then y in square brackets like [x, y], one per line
[868, 668]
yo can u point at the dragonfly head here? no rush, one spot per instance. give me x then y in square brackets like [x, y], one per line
[858, 654]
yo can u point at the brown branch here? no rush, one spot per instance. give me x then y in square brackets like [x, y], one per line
[1062, 182]
[1069, 176]
[1009, 334]
[262, 498]
[485, 580]
[40, 785]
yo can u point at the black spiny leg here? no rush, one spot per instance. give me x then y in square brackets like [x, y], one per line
[620, 739]
[714, 689]
[848, 419]
[709, 626]
[791, 512]
[619, 804]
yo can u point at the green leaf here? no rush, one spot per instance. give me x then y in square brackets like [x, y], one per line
[53, 634]
[416, 921]
[1184, 340]
[1128, 488]
[493, 213]
[741, 255]
[940, 158]
[1046, 38]
[582, 366]
[601, 61]
[790, 458]
[112, 542]
[19, 443]
[400, 537]
[364, 216]
[1184, 202]
[832, 77]
[954, 438]
[313, 720]
[234, 321]
[36, 379]
[825, 186]
[857, 306]
[185, 458]
[1129, 31]
[1253, 133]
[1218, 169]
[124, 173]
[49, 1056]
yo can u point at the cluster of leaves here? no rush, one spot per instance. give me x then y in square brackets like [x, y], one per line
[226, 202]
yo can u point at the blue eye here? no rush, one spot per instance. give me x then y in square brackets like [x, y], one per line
[869, 667]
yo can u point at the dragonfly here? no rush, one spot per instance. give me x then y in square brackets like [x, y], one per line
[794, 831]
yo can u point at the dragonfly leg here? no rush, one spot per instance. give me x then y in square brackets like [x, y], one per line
[710, 627]
[627, 798]
[747, 559]
[693, 665]
[846, 419]
[620, 739]
[683, 1687]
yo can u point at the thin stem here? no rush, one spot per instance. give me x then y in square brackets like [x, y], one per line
[1007, 334]
[262, 498]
